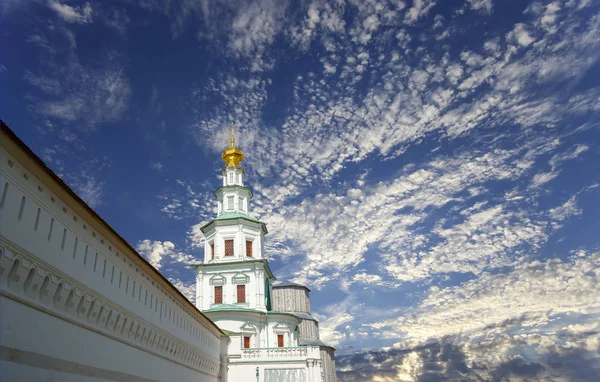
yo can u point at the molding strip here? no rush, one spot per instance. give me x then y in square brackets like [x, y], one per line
[41, 361]
[39, 286]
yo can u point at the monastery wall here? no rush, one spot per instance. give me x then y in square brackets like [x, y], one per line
[78, 303]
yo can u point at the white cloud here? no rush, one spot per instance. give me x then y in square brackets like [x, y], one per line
[158, 166]
[326, 133]
[481, 5]
[78, 14]
[419, 9]
[89, 189]
[543, 178]
[117, 19]
[566, 210]
[520, 35]
[556, 160]
[330, 320]
[188, 289]
[181, 201]
[161, 253]
[85, 97]
[535, 294]
[154, 251]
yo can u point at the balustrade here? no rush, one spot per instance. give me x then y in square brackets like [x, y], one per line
[283, 353]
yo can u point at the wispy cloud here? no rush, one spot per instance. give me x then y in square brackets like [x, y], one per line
[64, 88]
[72, 14]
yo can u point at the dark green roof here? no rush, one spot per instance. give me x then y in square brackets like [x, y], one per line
[234, 308]
[312, 342]
[229, 332]
[235, 215]
[229, 307]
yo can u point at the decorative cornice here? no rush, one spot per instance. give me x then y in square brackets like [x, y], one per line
[30, 162]
[27, 280]
[224, 265]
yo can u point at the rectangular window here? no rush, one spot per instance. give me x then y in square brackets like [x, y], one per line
[230, 178]
[246, 342]
[212, 250]
[241, 203]
[21, 208]
[228, 247]
[4, 195]
[241, 293]
[248, 248]
[50, 231]
[37, 220]
[280, 340]
[218, 295]
[230, 202]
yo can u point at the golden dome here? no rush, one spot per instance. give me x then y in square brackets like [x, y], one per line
[232, 156]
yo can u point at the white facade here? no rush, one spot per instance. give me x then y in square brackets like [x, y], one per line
[77, 302]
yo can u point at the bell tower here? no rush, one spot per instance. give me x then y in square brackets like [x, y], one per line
[233, 243]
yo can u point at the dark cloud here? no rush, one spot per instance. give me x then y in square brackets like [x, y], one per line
[449, 360]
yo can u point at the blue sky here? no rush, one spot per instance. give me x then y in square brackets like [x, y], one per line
[430, 170]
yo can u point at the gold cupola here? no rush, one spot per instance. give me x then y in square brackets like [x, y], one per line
[232, 156]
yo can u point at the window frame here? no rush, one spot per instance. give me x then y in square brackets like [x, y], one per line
[246, 342]
[241, 296]
[251, 243]
[220, 294]
[232, 242]
[280, 340]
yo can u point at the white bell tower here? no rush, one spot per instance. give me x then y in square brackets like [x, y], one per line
[233, 246]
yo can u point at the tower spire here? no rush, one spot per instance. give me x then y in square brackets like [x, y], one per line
[231, 137]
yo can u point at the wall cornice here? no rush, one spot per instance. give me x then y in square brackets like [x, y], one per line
[30, 281]
[32, 164]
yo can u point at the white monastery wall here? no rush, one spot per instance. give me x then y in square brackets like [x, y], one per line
[75, 292]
